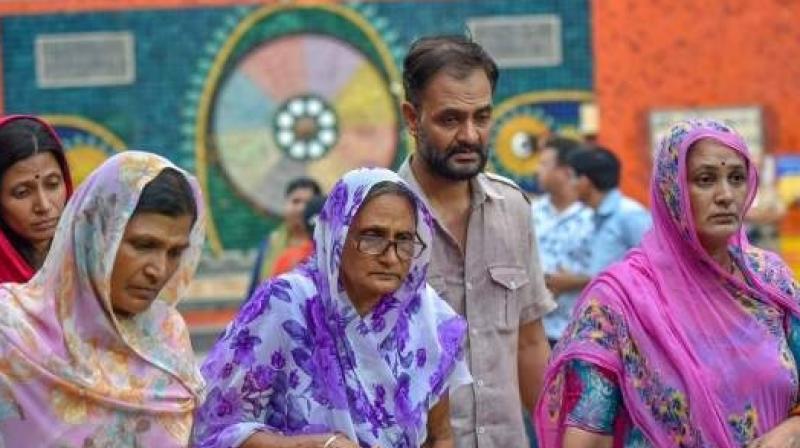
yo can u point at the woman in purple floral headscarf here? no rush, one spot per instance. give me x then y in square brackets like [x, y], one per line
[352, 349]
[693, 340]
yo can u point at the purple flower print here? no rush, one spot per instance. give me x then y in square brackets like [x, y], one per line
[422, 357]
[308, 267]
[222, 408]
[330, 375]
[274, 289]
[406, 415]
[406, 359]
[294, 379]
[214, 364]
[243, 345]
[253, 307]
[358, 198]
[451, 335]
[414, 279]
[389, 345]
[259, 379]
[281, 413]
[378, 325]
[386, 304]
[334, 207]
[382, 416]
[302, 358]
[436, 381]
[227, 369]
[402, 331]
[317, 356]
[335, 259]
[297, 332]
[414, 304]
[359, 404]
[316, 318]
[277, 360]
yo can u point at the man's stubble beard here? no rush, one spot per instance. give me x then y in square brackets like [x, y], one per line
[438, 160]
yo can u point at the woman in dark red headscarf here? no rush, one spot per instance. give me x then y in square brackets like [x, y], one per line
[34, 187]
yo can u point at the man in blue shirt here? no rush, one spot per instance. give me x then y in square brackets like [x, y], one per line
[619, 222]
[563, 227]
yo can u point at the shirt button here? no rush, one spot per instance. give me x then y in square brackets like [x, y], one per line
[474, 332]
[480, 383]
[513, 285]
[469, 286]
[481, 430]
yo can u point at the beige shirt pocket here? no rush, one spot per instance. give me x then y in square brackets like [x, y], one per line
[508, 282]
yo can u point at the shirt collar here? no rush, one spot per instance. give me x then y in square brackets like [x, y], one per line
[481, 187]
[574, 208]
[609, 203]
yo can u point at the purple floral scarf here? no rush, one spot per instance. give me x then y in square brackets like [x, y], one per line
[298, 359]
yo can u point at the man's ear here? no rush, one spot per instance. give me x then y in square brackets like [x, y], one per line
[411, 117]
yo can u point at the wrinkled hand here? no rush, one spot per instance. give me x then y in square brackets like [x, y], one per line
[785, 435]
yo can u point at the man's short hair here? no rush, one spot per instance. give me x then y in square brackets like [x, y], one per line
[563, 146]
[302, 183]
[457, 54]
[599, 165]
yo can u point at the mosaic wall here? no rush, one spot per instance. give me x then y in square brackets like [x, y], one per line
[250, 97]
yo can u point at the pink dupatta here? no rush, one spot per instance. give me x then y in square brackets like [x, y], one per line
[701, 358]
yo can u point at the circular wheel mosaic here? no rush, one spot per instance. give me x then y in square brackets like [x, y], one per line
[287, 90]
[301, 105]
[306, 128]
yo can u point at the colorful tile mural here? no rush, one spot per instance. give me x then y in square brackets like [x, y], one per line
[249, 96]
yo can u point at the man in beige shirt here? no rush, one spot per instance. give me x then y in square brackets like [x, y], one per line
[483, 260]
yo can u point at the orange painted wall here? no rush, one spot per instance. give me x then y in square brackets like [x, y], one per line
[689, 53]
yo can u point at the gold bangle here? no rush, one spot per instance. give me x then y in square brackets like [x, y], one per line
[329, 442]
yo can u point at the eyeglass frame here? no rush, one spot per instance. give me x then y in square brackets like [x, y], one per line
[417, 242]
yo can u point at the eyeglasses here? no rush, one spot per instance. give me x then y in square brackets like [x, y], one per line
[377, 245]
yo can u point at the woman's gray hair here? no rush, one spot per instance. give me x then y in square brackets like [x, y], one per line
[389, 187]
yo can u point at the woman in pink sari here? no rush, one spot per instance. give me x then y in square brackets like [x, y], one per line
[694, 339]
[93, 352]
[34, 187]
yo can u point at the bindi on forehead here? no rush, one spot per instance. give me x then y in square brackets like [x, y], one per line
[733, 164]
[716, 159]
